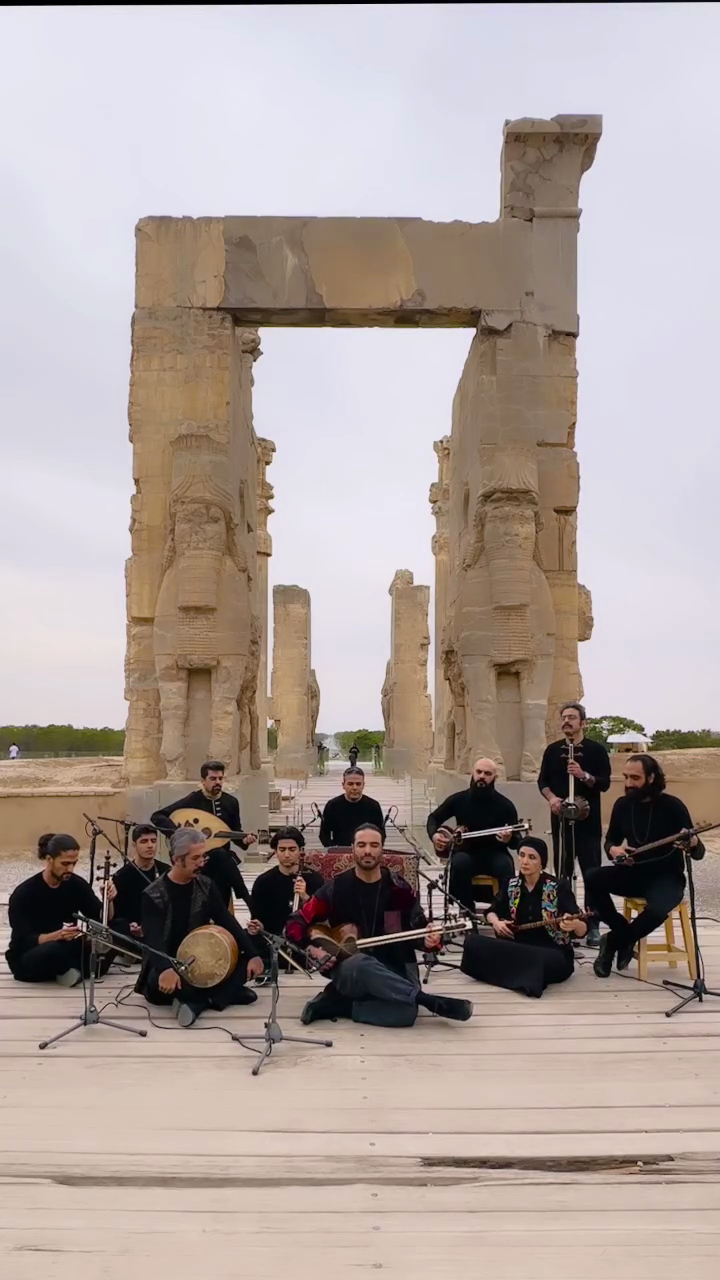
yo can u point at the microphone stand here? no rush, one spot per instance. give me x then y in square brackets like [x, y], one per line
[699, 989]
[127, 828]
[442, 887]
[273, 1033]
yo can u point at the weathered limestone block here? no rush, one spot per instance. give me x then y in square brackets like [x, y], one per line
[295, 694]
[193, 636]
[406, 707]
[265, 453]
[439, 503]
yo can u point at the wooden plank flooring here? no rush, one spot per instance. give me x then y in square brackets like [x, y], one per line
[576, 1135]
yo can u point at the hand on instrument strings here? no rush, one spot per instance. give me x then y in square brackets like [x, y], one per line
[505, 835]
[301, 888]
[254, 927]
[442, 840]
[575, 769]
[135, 929]
[556, 805]
[168, 981]
[255, 967]
[433, 941]
[249, 838]
[618, 851]
[68, 933]
[568, 924]
[503, 928]
[111, 891]
[322, 958]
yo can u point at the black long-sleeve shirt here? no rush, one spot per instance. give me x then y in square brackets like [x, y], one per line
[131, 882]
[272, 896]
[222, 865]
[476, 810]
[342, 817]
[377, 908]
[593, 759]
[36, 908]
[645, 821]
[180, 901]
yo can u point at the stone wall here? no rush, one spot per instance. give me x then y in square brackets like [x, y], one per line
[406, 707]
[295, 694]
[265, 494]
[516, 613]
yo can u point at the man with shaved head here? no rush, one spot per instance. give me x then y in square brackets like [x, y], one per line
[479, 808]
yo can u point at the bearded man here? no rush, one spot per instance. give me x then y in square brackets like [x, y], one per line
[479, 808]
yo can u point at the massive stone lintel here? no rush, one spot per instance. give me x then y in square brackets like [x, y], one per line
[406, 707]
[295, 692]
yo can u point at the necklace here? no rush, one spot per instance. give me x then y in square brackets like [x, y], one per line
[370, 929]
[639, 840]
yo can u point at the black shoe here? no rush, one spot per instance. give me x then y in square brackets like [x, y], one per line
[602, 966]
[245, 996]
[625, 954]
[446, 1006]
[326, 1004]
[592, 937]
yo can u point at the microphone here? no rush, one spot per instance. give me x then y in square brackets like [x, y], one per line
[316, 810]
[391, 815]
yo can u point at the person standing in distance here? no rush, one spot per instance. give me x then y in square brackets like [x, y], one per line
[478, 808]
[591, 771]
[343, 814]
[222, 866]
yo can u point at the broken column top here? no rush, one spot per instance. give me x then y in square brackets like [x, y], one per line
[403, 578]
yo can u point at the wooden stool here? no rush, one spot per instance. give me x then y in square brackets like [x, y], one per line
[485, 880]
[647, 951]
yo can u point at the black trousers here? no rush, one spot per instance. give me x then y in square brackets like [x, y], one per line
[231, 991]
[464, 865]
[49, 960]
[379, 995]
[662, 891]
[587, 843]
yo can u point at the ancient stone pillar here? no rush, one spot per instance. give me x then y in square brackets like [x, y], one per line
[516, 613]
[295, 695]
[439, 502]
[407, 712]
[265, 451]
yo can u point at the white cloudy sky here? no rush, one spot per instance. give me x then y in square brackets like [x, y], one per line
[113, 113]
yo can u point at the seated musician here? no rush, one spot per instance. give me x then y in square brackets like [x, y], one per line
[272, 895]
[644, 814]
[520, 958]
[479, 808]
[172, 907]
[382, 988]
[131, 881]
[222, 865]
[45, 942]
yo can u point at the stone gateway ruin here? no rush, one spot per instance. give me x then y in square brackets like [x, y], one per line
[509, 612]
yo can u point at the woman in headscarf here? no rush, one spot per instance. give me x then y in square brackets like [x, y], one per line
[522, 958]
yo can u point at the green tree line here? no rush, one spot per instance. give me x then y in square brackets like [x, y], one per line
[61, 739]
[603, 727]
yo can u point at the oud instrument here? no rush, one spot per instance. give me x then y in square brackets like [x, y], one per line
[680, 838]
[340, 941]
[213, 829]
[518, 828]
[575, 808]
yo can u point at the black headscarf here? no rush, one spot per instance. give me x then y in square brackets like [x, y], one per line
[540, 847]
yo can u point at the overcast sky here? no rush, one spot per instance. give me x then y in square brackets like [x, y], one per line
[111, 114]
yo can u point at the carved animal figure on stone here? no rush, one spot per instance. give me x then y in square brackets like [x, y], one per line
[504, 620]
[203, 619]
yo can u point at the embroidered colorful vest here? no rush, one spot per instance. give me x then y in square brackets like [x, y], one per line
[550, 910]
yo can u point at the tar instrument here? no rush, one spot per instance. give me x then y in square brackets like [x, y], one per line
[213, 829]
[554, 920]
[680, 838]
[575, 808]
[459, 834]
[341, 941]
[210, 954]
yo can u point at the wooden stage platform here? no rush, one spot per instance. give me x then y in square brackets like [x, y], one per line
[575, 1136]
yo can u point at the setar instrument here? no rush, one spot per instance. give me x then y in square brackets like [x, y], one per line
[680, 838]
[540, 924]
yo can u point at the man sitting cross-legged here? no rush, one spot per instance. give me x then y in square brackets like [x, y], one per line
[381, 988]
[172, 907]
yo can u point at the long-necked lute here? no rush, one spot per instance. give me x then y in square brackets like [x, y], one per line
[540, 924]
[680, 838]
[340, 941]
[459, 834]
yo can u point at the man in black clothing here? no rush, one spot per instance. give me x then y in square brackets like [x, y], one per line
[644, 814]
[382, 989]
[172, 907]
[45, 943]
[271, 899]
[479, 808]
[131, 881]
[591, 770]
[343, 814]
[222, 865]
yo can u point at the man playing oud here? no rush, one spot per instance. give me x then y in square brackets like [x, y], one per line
[222, 866]
[381, 989]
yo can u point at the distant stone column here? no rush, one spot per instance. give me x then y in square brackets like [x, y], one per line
[439, 502]
[265, 494]
[295, 696]
[407, 711]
